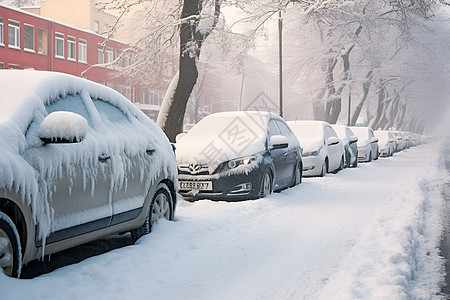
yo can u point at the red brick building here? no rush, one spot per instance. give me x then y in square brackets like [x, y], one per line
[28, 41]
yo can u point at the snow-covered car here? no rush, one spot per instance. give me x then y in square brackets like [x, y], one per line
[237, 156]
[349, 140]
[386, 142]
[367, 143]
[399, 142]
[322, 149]
[78, 162]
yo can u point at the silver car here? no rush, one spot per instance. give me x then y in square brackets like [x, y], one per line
[79, 162]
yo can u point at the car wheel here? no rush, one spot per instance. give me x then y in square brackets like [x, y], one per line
[266, 184]
[370, 157]
[347, 159]
[298, 175]
[341, 166]
[10, 250]
[355, 163]
[324, 168]
[160, 207]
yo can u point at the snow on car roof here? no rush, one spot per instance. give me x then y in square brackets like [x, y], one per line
[223, 136]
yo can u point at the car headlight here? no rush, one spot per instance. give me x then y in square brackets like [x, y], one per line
[311, 153]
[239, 162]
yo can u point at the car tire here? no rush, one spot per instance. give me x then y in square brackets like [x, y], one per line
[355, 163]
[266, 187]
[10, 250]
[324, 168]
[298, 174]
[370, 157]
[341, 165]
[160, 207]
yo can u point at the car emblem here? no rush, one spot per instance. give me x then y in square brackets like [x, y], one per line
[195, 168]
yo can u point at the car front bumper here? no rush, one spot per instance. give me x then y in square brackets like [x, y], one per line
[234, 187]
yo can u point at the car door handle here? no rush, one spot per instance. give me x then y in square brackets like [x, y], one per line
[103, 158]
[149, 151]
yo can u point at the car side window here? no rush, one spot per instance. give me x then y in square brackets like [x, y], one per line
[73, 103]
[329, 132]
[273, 128]
[284, 129]
[109, 113]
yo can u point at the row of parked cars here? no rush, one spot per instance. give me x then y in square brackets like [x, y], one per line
[80, 162]
[247, 155]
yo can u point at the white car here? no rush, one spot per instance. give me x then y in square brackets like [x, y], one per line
[386, 142]
[367, 143]
[399, 141]
[78, 162]
[322, 149]
[349, 140]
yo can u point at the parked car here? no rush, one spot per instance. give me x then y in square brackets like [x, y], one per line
[322, 150]
[237, 156]
[349, 140]
[367, 143]
[79, 162]
[399, 142]
[386, 142]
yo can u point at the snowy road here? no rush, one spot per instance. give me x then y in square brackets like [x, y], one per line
[365, 233]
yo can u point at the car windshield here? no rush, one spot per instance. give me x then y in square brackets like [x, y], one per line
[307, 133]
[361, 132]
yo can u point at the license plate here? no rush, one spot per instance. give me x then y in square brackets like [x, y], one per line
[195, 185]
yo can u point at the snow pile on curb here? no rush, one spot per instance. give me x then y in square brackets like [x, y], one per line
[397, 256]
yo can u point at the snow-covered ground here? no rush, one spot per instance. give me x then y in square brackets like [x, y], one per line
[366, 233]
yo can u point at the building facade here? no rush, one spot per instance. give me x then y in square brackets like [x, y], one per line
[29, 41]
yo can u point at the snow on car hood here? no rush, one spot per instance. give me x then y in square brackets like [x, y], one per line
[23, 96]
[223, 136]
[309, 134]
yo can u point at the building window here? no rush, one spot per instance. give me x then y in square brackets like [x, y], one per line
[126, 61]
[59, 45]
[144, 98]
[71, 42]
[28, 37]
[118, 54]
[14, 34]
[13, 66]
[2, 35]
[82, 51]
[42, 41]
[109, 56]
[127, 92]
[96, 26]
[2, 65]
[100, 59]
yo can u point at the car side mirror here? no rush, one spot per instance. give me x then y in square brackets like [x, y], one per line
[63, 127]
[374, 140]
[353, 139]
[333, 140]
[278, 142]
[179, 137]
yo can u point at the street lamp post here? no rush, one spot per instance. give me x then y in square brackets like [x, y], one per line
[280, 51]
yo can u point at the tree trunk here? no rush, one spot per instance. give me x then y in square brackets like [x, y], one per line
[366, 87]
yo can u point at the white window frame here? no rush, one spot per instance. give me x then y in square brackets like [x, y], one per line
[25, 48]
[96, 26]
[127, 92]
[71, 47]
[100, 54]
[82, 51]
[109, 55]
[15, 25]
[2, 32]
[42, 43]
[126, 61]
[59, 37]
